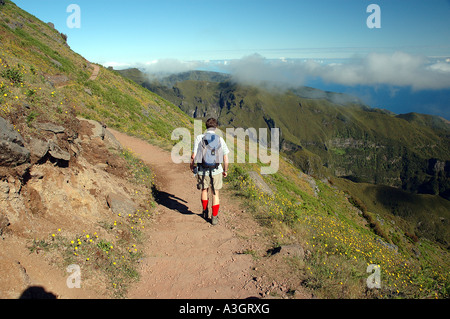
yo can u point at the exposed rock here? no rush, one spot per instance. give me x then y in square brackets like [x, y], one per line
[8, 133]
[145, 112]
[293, 250]
[4, 188]
[57, 80]
[38, 148]
[37, 172]
[12, 154]
[260, 183]
[12, 150]
[4, 222]
[50, 127]
[312, 183]
[15, 25]
[34, 203]
[111, 140]
[98, 130]
[121, 204]
[388, 245]
[57, 153]
[350, 143]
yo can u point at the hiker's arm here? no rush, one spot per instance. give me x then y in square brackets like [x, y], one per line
[225, 165]
[192, 161]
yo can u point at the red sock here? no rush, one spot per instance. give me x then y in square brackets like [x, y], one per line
[215, 210]
[205, 204]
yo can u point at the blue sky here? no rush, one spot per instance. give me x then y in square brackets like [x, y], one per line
[321, 42]
[138, 31]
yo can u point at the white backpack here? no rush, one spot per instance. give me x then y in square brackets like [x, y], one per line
[209, 153]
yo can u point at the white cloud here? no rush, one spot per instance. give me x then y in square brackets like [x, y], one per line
[397, 69]
[119, 65]
[170, 66]
[442, 67]
[256, 69]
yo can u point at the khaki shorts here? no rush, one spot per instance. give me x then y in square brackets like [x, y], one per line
[217, 179]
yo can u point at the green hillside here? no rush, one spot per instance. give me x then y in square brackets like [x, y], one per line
[409, 151]
[326, 139]
[41, 71]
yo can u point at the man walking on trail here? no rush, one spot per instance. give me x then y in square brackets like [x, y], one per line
[210, 152]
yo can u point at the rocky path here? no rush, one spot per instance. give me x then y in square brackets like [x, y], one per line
[187, 257]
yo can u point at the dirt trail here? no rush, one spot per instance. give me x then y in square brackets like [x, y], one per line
[187, 257]
[94, 72]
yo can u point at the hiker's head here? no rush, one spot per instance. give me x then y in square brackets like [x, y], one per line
[211, 123]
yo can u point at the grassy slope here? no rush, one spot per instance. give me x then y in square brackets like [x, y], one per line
[42, 80]
[38, 53]
[381, 148]
[393, 218]
[340, 242]
[353, 141]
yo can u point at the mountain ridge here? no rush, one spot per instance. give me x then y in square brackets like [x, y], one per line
[350, 144]
[329, 125]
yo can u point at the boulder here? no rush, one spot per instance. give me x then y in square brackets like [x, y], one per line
[260, 183]
[97, 129]
[38, 148]
[9, 134]
[58, 153]
[293, 250]
[121, 204]
[50, 127]
[12, 154]
[12, 150]
[111, 140]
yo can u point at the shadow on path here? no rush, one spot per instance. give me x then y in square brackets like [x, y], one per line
[37, 292]
[171, 201]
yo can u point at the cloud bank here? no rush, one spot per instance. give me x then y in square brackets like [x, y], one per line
[397, 69]
[170, 66]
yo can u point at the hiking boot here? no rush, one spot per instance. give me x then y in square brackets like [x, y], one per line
[215, 220]
[205, 214]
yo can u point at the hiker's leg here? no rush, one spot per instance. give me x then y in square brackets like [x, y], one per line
[216, 204]
[205, 194]
[204, 198]
[216, 199]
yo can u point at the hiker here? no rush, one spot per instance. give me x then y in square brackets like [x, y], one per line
[210, 152]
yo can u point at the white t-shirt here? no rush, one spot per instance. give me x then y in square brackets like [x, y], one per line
[225, 150]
